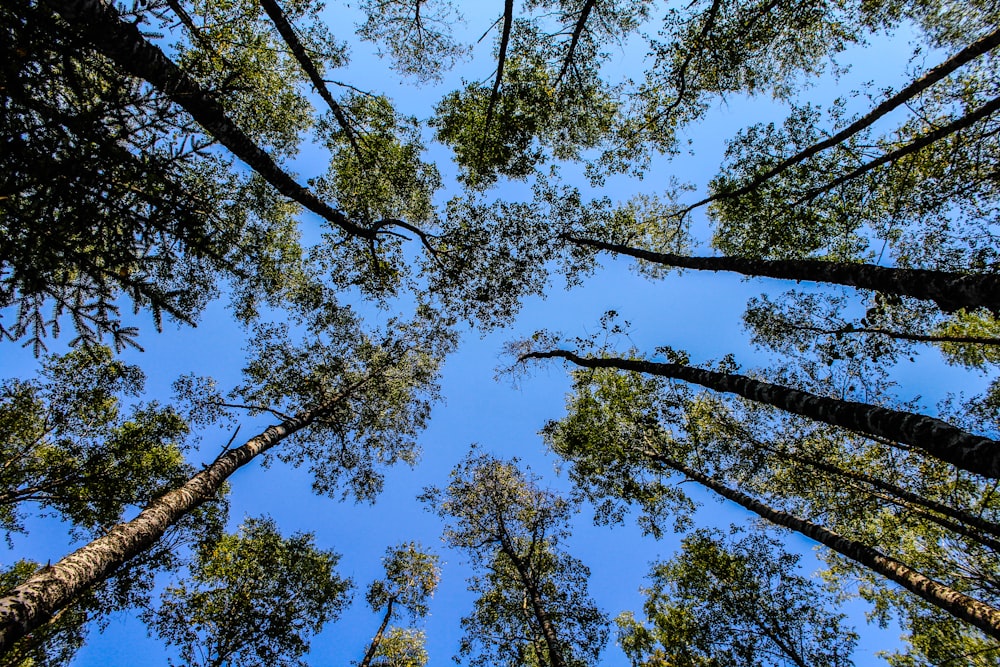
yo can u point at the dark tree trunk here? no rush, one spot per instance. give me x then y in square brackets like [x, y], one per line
[950, 291]
[581, 22]
[938, 438]
[124, 45]
[377, 639]
[959, 605]
[508, 21]
[935, 74]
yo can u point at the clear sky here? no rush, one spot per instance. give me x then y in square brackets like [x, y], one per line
[696, 312]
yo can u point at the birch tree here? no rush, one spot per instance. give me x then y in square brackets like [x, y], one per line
[533, 607]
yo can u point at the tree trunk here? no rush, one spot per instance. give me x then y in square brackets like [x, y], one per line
[287, 33]
[905, 498]
[588, 6]
[377, 639]
[537, 607]
[938, 438]
[124, 45]
[971, 52]
[950, 291]
[32, 603]
[959, 605]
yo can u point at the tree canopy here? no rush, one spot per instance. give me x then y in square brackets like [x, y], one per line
[165, 161]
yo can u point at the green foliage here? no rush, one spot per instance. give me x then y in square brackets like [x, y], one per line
[411, 575]
[735, 602]
[601, 438]
[71, 447]
[534, 113]
[384, 177]
[401, 647]
[252, 598]
[378, 388]
[237, 53]
[415, 35]
[979, 324]
[131, 202]
[533, 607]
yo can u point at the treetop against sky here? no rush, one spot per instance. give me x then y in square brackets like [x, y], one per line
[262, 258]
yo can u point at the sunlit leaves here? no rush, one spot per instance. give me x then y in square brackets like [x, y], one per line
[728, 602]
[73, 449]
[415, 34]
[253, 598]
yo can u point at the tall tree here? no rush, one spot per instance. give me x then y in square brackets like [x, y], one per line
[735, 602]
[253, 598]
[626, 435]
[411, 575]
[533, 607]
[949, 443]
[362, 399]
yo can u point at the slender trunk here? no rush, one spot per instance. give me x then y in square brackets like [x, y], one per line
[124, 45]
[938, 438]
[935, 74]
[959, 605]
[901, 335]
[377, 639]
[950, 291]
[682, 70]
[968, 120]
[588, 6]
[537, 607]
[287, 33]
[508, 20]
[905, 497]
[31, 604]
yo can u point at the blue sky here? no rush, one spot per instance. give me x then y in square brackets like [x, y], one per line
[697, 312]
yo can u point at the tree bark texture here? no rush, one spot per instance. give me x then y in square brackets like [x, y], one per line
[950, 291]
[31, 604]
[959, 605]
[938, 438]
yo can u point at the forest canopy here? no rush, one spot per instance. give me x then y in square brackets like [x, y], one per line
[247, 248]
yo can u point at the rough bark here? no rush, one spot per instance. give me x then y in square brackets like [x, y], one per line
[933, 436]
[959, 605]
[935, 74]
[950, 291]
[31, 604]
[124, 45]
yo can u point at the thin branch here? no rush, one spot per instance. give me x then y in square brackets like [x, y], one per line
[935, 74]
[962, 123]
[287, 32]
